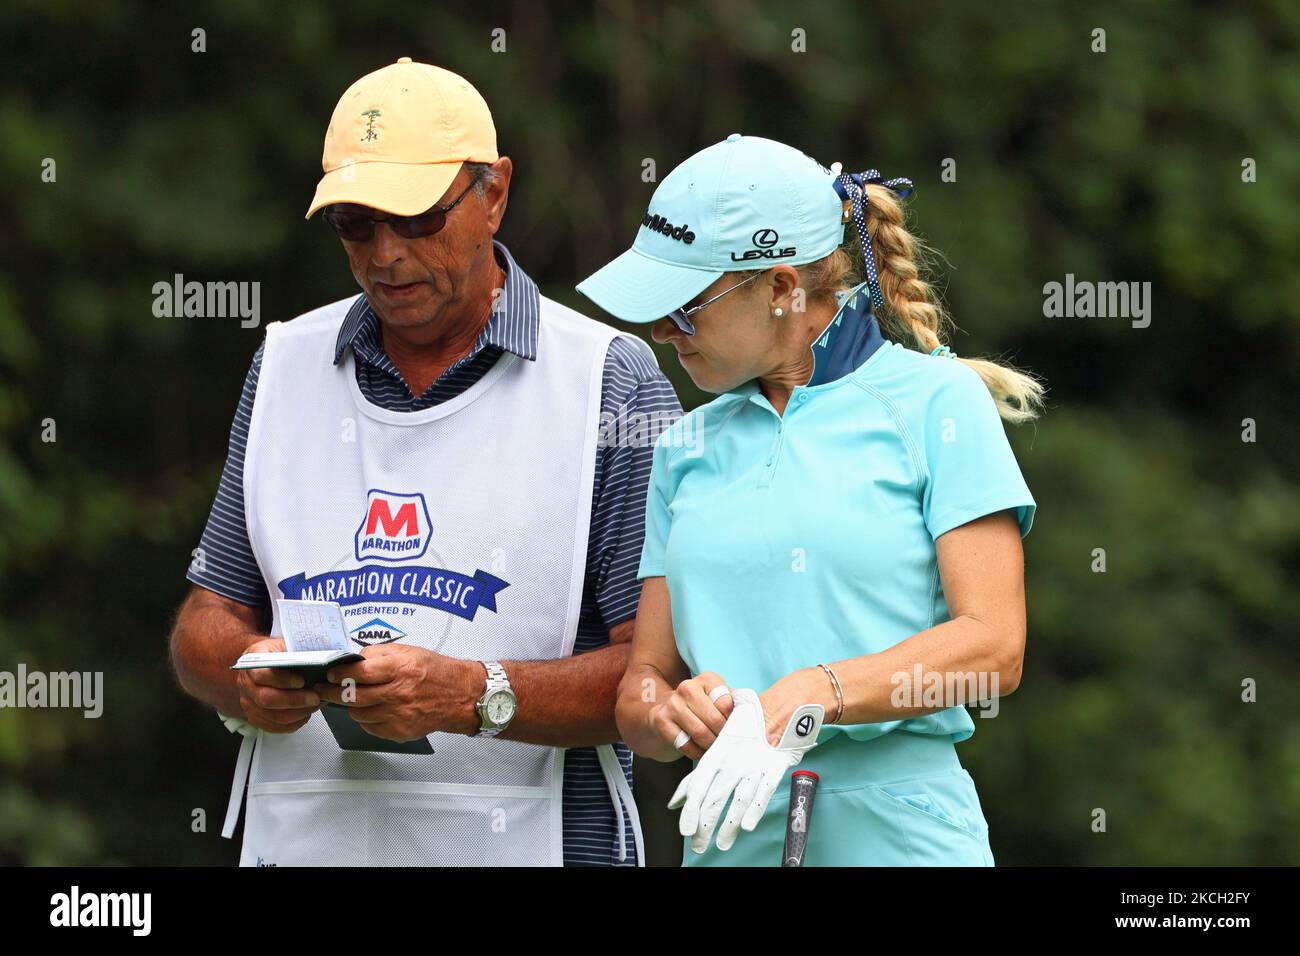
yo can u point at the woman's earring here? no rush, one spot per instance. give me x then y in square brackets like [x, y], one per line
[780, 312]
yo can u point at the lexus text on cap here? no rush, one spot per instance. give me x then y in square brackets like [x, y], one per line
[398, 137]
[745, 203]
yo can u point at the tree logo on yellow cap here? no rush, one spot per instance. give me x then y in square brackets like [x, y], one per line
[371, 132]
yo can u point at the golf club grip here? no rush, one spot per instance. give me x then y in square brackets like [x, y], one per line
[803, 790]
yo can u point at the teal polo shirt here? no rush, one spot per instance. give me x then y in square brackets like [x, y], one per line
[793, 540]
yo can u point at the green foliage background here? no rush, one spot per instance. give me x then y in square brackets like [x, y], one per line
[1124, 165]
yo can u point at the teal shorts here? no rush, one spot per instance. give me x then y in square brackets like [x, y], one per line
[902, 799]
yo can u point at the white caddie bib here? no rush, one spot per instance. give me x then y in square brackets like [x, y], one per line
[461, 528]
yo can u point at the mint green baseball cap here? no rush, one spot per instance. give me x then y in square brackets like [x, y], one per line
[745, 203]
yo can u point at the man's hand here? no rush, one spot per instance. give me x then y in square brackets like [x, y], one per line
[405, 693]
[274, 699]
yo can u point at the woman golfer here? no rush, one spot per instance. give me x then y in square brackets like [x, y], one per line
[833, 560]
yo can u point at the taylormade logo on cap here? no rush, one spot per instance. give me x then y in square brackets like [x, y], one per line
[660, 224]
[741, 203]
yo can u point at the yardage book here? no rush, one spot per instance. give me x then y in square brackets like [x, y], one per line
[317, 639]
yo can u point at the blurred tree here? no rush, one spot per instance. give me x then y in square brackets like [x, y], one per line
[1122, 165]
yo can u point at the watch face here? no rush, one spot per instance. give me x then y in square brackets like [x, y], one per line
[501, 707]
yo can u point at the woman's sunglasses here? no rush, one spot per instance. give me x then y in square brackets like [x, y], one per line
[354, 227]
[682, 317]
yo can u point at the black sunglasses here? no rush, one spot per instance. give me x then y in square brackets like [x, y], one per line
[354, 227]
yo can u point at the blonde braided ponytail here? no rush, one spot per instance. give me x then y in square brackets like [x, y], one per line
[913, 310]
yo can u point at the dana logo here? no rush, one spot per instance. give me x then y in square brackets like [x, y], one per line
[395, 527]
[376, 631]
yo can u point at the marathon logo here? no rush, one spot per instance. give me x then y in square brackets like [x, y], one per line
[657, 223]
[438, 588]
[395, 527]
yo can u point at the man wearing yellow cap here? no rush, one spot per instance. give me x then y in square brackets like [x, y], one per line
[430, 456]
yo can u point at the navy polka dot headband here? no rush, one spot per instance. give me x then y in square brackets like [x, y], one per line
[852, 187]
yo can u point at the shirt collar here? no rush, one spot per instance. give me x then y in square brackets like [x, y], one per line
[512, 327]
[850, 338]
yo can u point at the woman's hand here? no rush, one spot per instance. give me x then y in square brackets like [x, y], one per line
[809, 685]
[697, 709]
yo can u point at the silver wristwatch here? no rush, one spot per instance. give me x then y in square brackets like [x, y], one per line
[496, 708]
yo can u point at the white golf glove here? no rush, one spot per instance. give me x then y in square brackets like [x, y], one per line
[741, 760]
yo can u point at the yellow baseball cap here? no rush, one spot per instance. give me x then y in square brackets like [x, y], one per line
[398, 137]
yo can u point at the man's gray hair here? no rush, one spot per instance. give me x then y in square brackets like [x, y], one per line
[484, 176]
